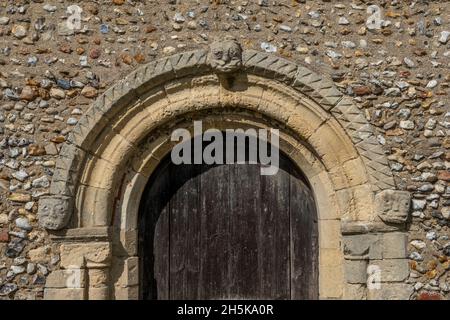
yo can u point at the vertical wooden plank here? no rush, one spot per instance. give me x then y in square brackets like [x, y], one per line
[214, 234]
[184, 232]
[304, 241]
[274, 235]
[245, 204]
[154, 237]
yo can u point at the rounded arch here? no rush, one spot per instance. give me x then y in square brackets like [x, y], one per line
[111, 153]
[334, 129]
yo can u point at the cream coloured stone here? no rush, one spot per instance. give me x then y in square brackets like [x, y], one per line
[329, 234]
[333, 157]
[40, 254]
[391, 291]
[332, 144]
[98, 277]
[326, 200]
[82, 254]
[355, 291]
[64, 294]
[128, 293]
[130, 273]
[356, 203]
[71, 278]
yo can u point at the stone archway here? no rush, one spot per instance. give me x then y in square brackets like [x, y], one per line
[112, 152]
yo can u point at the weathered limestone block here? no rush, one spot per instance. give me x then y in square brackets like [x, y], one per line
[392, 270]
[355, 291]
[356, 203]
[225, 56]
[64, 294]
[99, 293]
[331, 282]
[129, 293]
[98, 278]
[127, 273]
[95, 204]
[69, 278]
[395, 245]
[356, 271]
[391, 291]
[361, 246]
[393, 206]
[330, 236]
[95, 254]
[53, 211]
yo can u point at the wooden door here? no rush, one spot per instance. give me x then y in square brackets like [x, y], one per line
[228, 232]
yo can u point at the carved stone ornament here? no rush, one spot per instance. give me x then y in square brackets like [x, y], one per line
[393, 206]
[225, 56]
[53, 211]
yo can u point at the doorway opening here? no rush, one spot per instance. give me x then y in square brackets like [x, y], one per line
[224, 231]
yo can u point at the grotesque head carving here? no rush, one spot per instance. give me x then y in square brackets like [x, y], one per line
[53, 212]
[393, 206]
[226, 55]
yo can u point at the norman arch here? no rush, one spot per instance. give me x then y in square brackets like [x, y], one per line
[105, 165]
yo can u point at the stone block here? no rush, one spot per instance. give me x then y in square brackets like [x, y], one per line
[330, 257]
[64, 294]
[130, 273]
[363, 246]
[394, 245]
[391, 291]
[126, 293]
[356, 271]
[54, 211]
[355, 291]
[392, 206]
[101, 293]
[95, 254]
[98, 277]
[392, 270]
[331, 280]
[71, 278]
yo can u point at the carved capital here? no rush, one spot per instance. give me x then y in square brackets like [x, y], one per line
[225, 56]
[393, 206]
[53, 211]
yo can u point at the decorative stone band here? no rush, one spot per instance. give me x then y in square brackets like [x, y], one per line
[55, 210]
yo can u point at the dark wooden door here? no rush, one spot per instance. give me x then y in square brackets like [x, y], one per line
[226, 231]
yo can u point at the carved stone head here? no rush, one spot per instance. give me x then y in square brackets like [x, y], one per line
[393, 205]
[53, 212]
[225, 55]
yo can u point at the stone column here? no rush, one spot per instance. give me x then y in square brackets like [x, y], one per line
[84, 268]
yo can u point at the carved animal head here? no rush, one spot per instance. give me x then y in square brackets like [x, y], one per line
[225, 56]
[53, 211]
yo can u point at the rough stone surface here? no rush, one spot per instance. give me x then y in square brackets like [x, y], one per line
[393, 206]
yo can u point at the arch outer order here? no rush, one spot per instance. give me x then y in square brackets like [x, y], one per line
[110, 154]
